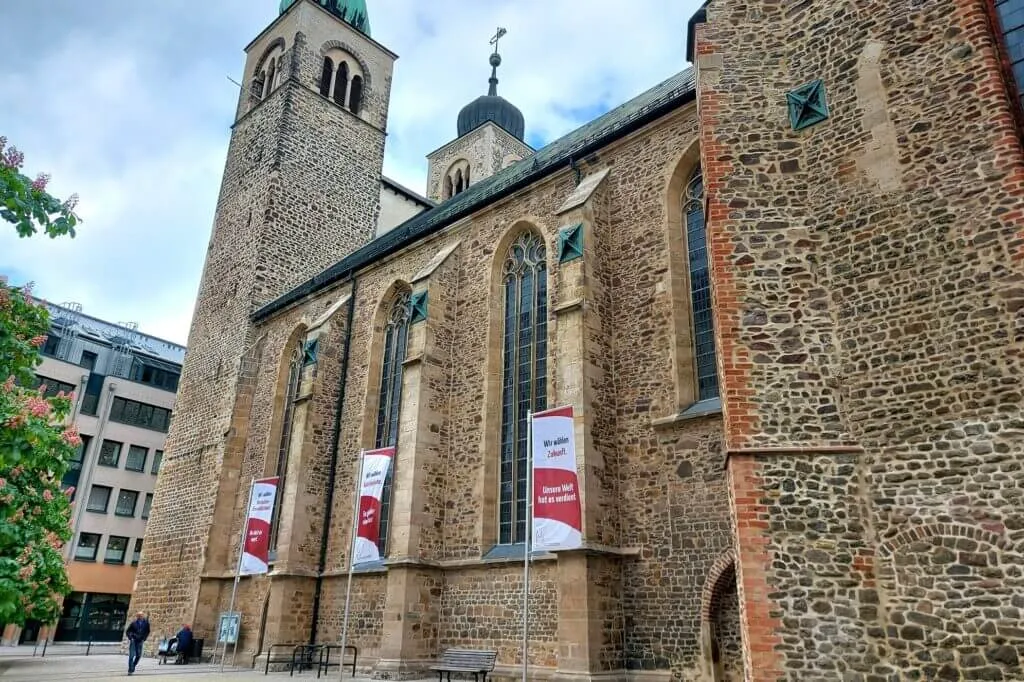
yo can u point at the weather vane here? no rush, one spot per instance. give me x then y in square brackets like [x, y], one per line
[497, 36]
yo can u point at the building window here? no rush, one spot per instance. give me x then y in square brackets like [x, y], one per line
[147, 505]
[1011, 23]
[88, 546]
[51, 345]
[99, 498]
[140, 414]
[137, 554]
[136, 460]
[110, 454]
[74, 471]
[117, 547]
[700, 289]
[291, 393]
[126, 501]
[88, 360]
[158, 459]
[390, 399]
[144, 372]
[523, 376]
[53, 387]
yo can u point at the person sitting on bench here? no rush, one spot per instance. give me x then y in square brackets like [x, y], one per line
[184, 644]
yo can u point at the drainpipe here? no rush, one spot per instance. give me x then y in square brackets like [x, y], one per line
[335, 443]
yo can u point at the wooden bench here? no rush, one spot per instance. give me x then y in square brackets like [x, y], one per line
[477, 662]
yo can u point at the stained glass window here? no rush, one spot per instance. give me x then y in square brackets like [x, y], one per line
[281, 468]
[1011, 19]
[523, 375]
[396, 335]
[700, 289]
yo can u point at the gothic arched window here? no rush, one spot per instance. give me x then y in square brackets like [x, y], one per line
[700, 289]
[523, 375]
[284, 446]
[389, 404]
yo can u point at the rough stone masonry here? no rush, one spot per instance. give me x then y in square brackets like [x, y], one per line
[851, 507]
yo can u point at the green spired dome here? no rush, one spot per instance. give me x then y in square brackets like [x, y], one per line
[352, 12]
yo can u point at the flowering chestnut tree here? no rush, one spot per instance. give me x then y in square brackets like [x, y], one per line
[36, 445]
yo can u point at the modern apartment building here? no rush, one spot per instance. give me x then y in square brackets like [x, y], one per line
[125, 384]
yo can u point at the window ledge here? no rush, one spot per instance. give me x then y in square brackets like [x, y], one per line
[125, 516]
[84, 560]
[568, 306]
[96, 511]
[702, 408]
[137, 471]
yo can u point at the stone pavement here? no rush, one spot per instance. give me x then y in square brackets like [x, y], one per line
[18, 665]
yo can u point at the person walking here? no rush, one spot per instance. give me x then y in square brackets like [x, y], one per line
[137, 632]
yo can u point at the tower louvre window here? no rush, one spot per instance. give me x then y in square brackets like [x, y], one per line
[355, 100]
[325, 76]
[341, 84]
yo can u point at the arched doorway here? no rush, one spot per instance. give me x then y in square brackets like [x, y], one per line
[722, 636]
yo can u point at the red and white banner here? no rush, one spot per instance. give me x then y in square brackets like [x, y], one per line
[376, 464]
[256, 547]
[557, 516]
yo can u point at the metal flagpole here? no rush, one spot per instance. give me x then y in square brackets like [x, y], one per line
[529, 531]
[238, 571]
[351, 561]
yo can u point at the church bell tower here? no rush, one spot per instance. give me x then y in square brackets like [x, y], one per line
[300, 191]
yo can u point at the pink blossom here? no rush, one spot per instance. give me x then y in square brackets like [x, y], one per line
[70, 490]
[47, 495]
[38, 407]
[42, 389]
[9, 384]
[18, 515]
[39, 184]
[69, 204]
[25, 573]
[17, 471]
[38, 341]
[12, 158]
[16, 421]
[3, 481]
[26, 291]
[7, 499]
[71, 436]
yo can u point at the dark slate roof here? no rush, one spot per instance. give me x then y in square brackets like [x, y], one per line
[620, 121]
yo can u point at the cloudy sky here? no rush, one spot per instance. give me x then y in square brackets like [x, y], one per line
[129, 104]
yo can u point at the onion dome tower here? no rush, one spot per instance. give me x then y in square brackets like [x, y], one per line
[492, 107]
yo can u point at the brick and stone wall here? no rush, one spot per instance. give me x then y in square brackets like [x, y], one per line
[868, 310]
[655, 500]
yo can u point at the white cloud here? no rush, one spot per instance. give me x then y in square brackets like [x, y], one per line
[130, 106]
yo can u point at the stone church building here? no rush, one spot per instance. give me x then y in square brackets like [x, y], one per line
[783, 291]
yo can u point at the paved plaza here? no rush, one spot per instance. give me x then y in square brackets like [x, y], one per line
[64, 663]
